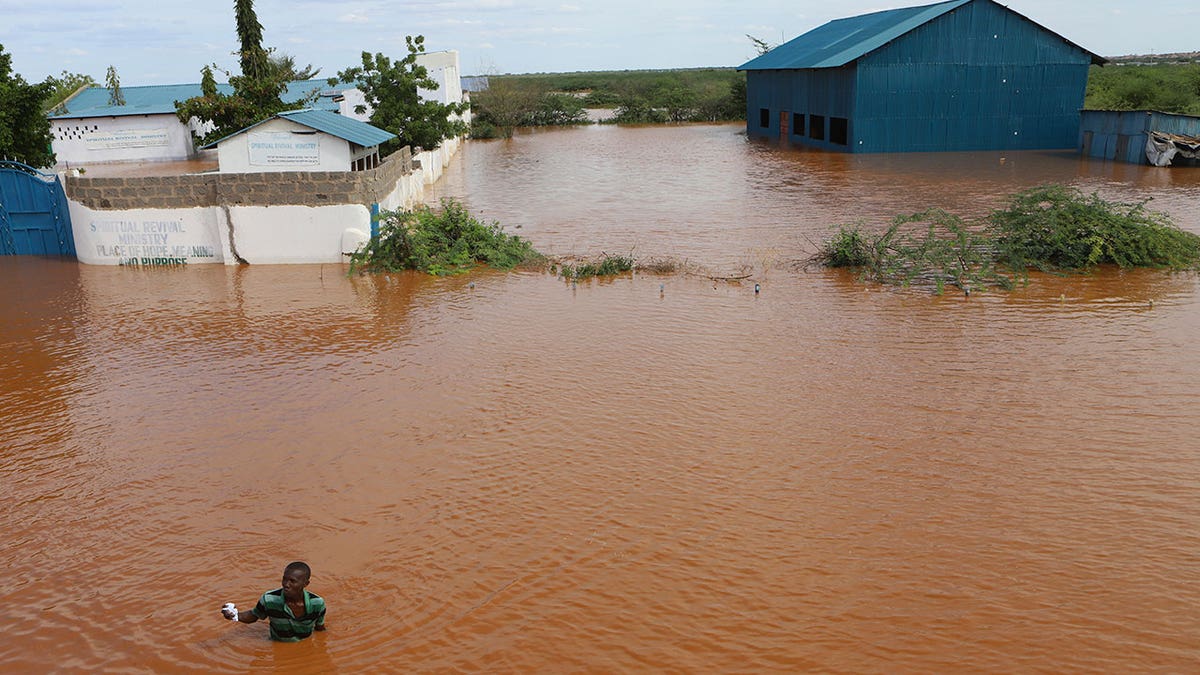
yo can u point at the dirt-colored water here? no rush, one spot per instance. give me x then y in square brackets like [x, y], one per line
[641, 474]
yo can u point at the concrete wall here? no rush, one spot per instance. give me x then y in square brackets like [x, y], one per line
[282, 217]
[443, 69]
[127, 138]
[244, 152]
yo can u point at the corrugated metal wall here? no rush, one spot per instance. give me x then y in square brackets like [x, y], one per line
[819, 96]
[1121, 135]
[977, 78]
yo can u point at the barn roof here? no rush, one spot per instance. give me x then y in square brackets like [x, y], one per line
[842, 41]
[160, 99]
[327, 122]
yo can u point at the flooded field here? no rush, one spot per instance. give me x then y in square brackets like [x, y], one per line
[509, 473]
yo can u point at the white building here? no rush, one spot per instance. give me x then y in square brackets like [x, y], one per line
[89, 129]
[302, 140]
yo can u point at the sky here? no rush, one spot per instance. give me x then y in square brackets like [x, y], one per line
[169, 41]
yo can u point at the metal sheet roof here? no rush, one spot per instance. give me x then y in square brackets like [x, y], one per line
[842, 41]
[331, 123]
[336, 125]
[160, 99]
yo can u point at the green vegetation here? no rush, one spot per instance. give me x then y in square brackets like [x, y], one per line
[391, 89]
[931, 248]
[449, 241]
[606, 265]
[1167, 87]
[509, 103]
[640, 96]
[24, 128]
[1051, 228]
[1054, 228]
[62, 87]
[256, 91]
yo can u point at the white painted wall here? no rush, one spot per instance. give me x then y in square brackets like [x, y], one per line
[351, 99]
[295, 234]
[142, 236]
[443, 69]
[259, 234]
[126, 138]
[234, 153]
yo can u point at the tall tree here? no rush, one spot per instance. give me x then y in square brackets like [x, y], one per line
[256, 91]
[115, 97]
[24, 128]
[253, 56]
[391, 89]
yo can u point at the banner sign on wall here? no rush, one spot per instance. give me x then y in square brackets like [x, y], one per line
[283, 148]
[126, 138]
[151, 242]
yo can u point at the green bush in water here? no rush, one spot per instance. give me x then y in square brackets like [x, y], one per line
[440, 242]
[1050, 228]
[607, 265]
[1054, 228]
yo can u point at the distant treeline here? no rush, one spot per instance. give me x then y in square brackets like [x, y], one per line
[1166, 87]
[636, 96]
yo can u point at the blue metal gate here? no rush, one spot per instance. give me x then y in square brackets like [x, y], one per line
[34, 219]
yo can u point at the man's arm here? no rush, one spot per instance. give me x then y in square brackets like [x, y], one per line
[242, 617]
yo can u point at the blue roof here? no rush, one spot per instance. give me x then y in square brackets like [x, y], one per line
[845, 40]
[160, 99]
[328, 122]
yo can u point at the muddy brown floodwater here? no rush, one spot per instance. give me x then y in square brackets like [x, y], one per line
[639, 474]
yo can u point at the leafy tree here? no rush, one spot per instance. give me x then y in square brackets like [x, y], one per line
[391, 90]
[115, 97]
[1173, 88]
[24, 128]
[63, 86]
[504, 105]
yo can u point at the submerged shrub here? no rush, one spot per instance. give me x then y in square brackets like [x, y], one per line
[1054, 227]
[440, 242]
[606, 265]
[1049, 228]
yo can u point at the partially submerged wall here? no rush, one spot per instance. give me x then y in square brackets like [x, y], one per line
[286, 217]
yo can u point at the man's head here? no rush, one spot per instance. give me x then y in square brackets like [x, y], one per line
[295, 578]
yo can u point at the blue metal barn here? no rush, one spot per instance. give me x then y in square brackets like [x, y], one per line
[958, 75]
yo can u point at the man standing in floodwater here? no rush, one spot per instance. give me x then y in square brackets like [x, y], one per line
[294, 612]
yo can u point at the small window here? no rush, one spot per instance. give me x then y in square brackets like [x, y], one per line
[798, 124]
[764, 117]
[816, 127]
[839, 130]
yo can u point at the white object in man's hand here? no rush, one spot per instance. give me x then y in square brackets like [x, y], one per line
[229, 610]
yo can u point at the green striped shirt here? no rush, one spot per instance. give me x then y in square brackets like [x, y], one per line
[285, 626]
